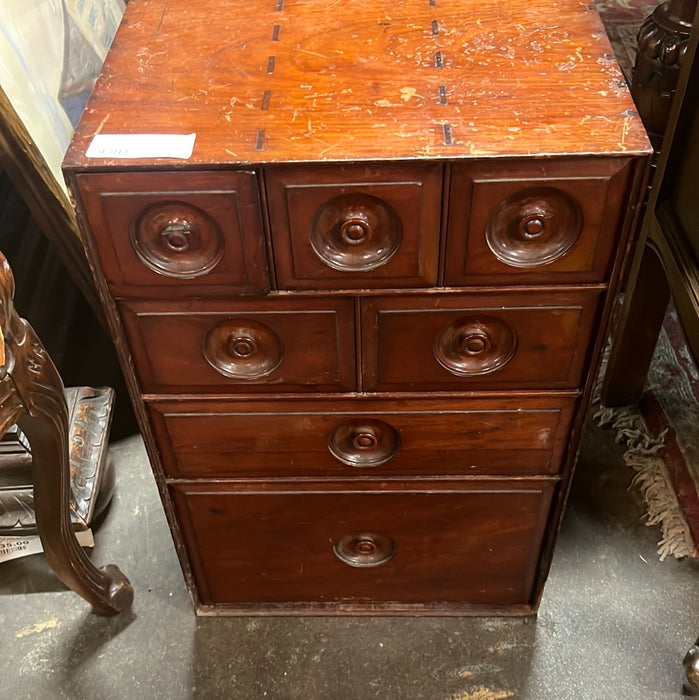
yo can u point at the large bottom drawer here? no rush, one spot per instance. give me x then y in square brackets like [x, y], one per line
[428, 546]
[349, 438]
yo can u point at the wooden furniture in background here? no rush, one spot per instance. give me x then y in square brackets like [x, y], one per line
[32, 396]
[662, 46]
[360, 323]
[50, 207]
[666, 261]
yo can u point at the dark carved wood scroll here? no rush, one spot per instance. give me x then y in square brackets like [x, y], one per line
[33, 397]
[91, 470]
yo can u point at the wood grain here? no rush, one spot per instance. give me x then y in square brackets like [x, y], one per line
[551, 336]
[317, 341]
[271, 544]
[356, 80]
[215, 439]
[360, 153]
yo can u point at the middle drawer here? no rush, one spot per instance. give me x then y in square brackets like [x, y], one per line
[507, 340]
[232, 345]
[360, 437]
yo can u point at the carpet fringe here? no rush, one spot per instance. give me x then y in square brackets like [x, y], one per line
[643, 456]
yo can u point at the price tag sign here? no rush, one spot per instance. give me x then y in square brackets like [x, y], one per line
[141, 146]
[16, 547]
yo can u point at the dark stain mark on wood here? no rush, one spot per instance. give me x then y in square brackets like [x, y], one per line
[446, 132]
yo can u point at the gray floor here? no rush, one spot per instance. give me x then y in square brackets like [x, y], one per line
[614, 622]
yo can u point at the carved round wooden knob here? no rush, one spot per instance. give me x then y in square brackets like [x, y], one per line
[365, 549]
[475, 345]
[533, 227]
[177, 239]
[243, 349]
[364, 442]
[355, 232]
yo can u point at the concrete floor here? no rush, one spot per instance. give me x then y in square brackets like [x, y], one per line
[614, 622]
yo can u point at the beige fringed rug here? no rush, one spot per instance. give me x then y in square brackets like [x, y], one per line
[661, 436]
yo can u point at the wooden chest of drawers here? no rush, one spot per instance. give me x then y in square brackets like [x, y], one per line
[360, 322]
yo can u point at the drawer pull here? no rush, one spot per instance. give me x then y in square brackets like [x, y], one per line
[474, 346]
[177, 239]
[364, 442]
[365, 549]
[177, 235]
[355, 232]
[243, 349]
[533, 227]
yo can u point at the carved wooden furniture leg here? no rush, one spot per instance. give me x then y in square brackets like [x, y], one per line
[636, 334]
[663, 42]
[33, 396]
[691, 670]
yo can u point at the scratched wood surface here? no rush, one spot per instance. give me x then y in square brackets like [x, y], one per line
[313, 80]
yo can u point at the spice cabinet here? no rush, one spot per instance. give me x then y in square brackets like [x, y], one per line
[361, 321]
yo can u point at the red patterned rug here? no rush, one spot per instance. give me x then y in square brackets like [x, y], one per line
[662, 441]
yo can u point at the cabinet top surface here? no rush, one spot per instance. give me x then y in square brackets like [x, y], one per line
[327, 80]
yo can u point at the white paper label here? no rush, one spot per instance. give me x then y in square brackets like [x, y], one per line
[141, 146]
[15, 547]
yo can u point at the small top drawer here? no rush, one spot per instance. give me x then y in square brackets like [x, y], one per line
[536, 222]
[165, 234]
[355, 226]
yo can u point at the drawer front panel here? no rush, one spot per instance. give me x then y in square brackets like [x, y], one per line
[355, 226]
[174, 234]
[482, 341]
[534, 222]
[221, 346]
[446, 542]
[356, 439]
